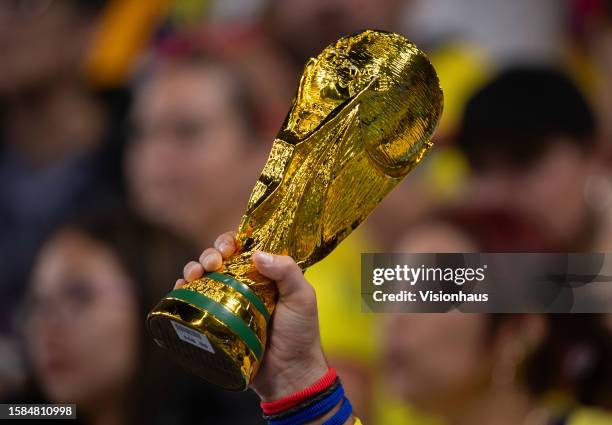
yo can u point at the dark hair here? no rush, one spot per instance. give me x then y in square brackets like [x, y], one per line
[574, 357]
[521, 110]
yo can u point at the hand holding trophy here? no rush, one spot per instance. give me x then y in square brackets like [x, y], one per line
[362, 118]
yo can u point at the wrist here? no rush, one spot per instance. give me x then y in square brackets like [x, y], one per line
[291, 379]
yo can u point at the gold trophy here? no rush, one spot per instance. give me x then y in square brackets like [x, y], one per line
[362, 118]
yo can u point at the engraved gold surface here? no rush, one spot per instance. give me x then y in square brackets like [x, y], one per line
[361, 120]
[233, 301]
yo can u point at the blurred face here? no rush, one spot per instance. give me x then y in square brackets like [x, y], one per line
[81, 322]
[189, 153]
[544, 198]
[40, 41]
[436, 361]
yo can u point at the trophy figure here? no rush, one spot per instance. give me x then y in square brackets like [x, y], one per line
[362, 118]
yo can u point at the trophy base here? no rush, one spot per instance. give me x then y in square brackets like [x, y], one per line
[213, 330]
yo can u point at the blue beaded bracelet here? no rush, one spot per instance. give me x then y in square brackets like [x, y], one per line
[342, 414]
[313, 412]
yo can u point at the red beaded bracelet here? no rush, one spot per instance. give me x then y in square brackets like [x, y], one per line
[277, 406]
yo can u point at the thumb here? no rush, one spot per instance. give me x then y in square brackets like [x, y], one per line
[286, 273]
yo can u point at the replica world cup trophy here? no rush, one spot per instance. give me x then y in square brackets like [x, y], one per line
[362, 118]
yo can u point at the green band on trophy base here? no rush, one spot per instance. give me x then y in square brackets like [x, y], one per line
[242, 289]
[232, 321]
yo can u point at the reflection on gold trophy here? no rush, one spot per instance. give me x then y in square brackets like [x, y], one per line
[362, 118]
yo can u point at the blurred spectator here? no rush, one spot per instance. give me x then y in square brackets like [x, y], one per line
[57, 138]
[83, 323]
[192, 120]
[502, 369]
[530, 138]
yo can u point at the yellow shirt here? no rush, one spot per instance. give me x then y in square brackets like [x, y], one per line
[581, 417]
[345, 330]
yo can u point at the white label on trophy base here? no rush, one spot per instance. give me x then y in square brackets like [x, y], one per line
[192, 337]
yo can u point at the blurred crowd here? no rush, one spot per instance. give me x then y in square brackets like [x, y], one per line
[119, 121]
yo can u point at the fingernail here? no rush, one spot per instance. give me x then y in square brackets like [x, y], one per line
[206, 261]
[224, 247]
[264, 258]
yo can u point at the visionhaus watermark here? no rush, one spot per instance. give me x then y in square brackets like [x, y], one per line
[484, 282]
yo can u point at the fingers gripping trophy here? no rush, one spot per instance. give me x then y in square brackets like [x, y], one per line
[362, 118]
